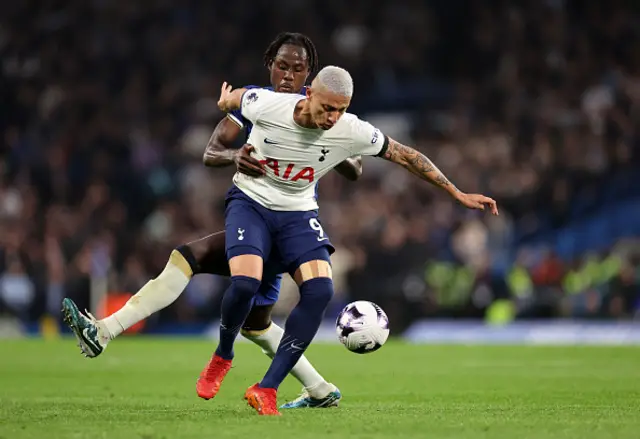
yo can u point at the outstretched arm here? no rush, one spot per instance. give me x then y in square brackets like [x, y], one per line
[420, 165]
[351, 168]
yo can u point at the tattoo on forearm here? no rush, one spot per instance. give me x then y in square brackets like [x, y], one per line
[442, 180]
[416, 163]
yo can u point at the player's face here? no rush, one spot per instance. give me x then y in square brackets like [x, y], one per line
[326, 108]
[290, 69]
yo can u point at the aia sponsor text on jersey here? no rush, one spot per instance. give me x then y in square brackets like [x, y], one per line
[289, 171]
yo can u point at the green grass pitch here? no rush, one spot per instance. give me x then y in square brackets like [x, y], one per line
[145, 388]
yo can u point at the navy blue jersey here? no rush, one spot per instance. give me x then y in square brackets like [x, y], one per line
[239, 119]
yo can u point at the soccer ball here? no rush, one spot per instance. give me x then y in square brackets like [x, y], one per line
[362, 327]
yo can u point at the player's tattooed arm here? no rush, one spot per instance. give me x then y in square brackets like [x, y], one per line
[420, 165]
[351, 168]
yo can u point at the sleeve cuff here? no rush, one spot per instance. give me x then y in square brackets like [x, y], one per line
[385, 146]
[235, 120]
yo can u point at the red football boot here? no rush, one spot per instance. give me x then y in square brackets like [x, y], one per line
[211, 377]
[263, 400]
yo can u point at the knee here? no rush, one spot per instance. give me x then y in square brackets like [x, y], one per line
[258, 319]
[206, 255]
[199, 248]
[245, 287]
[186, 251]
[246, 264]
[317, 291]
[312, 265]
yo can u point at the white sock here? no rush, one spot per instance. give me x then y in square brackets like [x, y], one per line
[303, 371]
[152, 297]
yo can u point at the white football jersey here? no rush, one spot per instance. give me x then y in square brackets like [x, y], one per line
[295, 157]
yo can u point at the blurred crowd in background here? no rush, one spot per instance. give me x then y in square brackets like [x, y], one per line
[107, 108]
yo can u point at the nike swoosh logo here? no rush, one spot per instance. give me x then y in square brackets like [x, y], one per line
[297, 348]
[321, 239]
[269, 142]
[86, 332]
[87, 339]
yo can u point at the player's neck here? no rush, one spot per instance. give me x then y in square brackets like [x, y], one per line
[302, 116]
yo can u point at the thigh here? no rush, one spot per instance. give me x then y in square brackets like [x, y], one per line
[246, 231]
[298, 234]
[210, 255]
[247, 238]
[311, 265]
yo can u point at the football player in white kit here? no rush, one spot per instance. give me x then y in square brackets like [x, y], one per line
[290, 58]
[299, 139]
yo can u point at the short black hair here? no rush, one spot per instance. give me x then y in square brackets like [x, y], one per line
[294, 39]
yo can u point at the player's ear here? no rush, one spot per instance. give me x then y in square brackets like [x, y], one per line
[308, 92]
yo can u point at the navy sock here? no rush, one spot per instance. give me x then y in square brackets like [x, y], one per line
[302, 325]
[236, 305]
